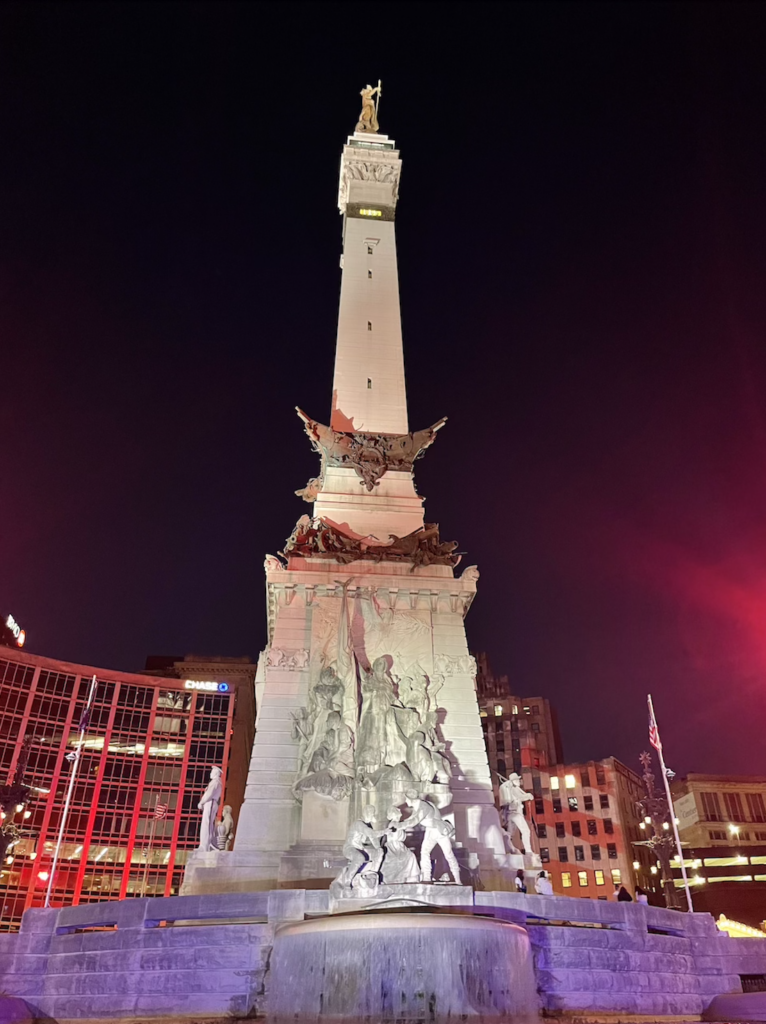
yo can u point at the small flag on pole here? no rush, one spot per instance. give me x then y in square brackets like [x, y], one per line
[160, 812]
[654, 736]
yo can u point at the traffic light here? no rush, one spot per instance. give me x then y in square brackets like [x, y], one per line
[11, 633]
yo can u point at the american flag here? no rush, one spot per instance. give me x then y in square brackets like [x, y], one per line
[160, 811]
[654, 735]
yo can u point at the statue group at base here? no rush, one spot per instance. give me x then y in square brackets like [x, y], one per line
[378, 856]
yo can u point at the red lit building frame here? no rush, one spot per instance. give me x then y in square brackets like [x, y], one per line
[150, 741]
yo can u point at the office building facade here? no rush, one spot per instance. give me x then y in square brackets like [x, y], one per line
[722, 824]
[148, 748]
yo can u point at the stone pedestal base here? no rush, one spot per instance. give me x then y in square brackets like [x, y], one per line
[310, 865]
[218, 871]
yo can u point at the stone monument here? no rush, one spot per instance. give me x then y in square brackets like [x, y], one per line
[366, 689]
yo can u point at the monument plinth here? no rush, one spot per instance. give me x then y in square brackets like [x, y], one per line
[366, 689]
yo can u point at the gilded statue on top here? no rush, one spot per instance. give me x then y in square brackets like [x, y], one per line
[368, 119]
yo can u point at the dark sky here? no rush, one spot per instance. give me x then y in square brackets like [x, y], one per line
[582, 245]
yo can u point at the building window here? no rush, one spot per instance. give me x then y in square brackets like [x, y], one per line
[542, 831]
[557, 806]
[579, 853]
[539, 806]
[584, 777]
[576, 828]
[370, 213]
[588, 800]
[514, 709]
[560, 833]
[498, 710]
[760, 836]
[756, 807]
[600, 880]
[563, 854]
[535, 709]
[545, 855]
[566, 879]
[711, 809]
[600, 776]
[369, 275]
[369, 250]
[582, 879]
[554, 782]
[611, 849]
[595, 851]
[717, 834]
[535, 727]
[526, 710]
[604, 801]
[616, 876]
[572, 803]
[608, 826]
[592, 827]
[569, 781]
[745, 836]
[369, 325]
[369, 384]
[733, 805]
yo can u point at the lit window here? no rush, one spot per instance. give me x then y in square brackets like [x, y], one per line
[600, 878]
[554, 782]
[369, 325]
[617, 877]
[482, 713]
[370, 213]
[582, 879]
[515, 709]
[572, 803]
[566, 879]
[527, 710]
[498, 709]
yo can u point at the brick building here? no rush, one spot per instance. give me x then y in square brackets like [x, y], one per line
[585, 822]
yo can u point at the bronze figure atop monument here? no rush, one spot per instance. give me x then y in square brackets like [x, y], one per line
[368, 119]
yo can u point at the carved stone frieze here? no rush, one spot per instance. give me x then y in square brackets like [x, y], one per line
[370, 455]
[454, 664]
[292, 661]
[367, 170]
[320, 538]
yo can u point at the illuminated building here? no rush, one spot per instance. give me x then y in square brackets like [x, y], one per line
[584, 822]
[722, 824]
[149, 747]
[519, 732]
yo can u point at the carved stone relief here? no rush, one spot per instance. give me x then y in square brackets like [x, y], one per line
[359, 170]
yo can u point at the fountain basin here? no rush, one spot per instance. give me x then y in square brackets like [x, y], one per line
[401, 967]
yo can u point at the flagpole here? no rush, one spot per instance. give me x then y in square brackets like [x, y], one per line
[689, 906]
[73, 775]
[149, 853]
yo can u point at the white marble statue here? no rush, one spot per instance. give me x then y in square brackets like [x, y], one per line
[379, 741]
[310, 724]
[211, 798]
[331, 771]
[436, 832]
[512, 800]
[225, 829]
[399, 864]
[363, 851]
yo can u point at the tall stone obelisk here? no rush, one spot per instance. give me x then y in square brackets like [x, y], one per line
[366, 688]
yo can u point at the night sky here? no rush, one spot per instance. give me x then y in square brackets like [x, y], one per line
[582, 255]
